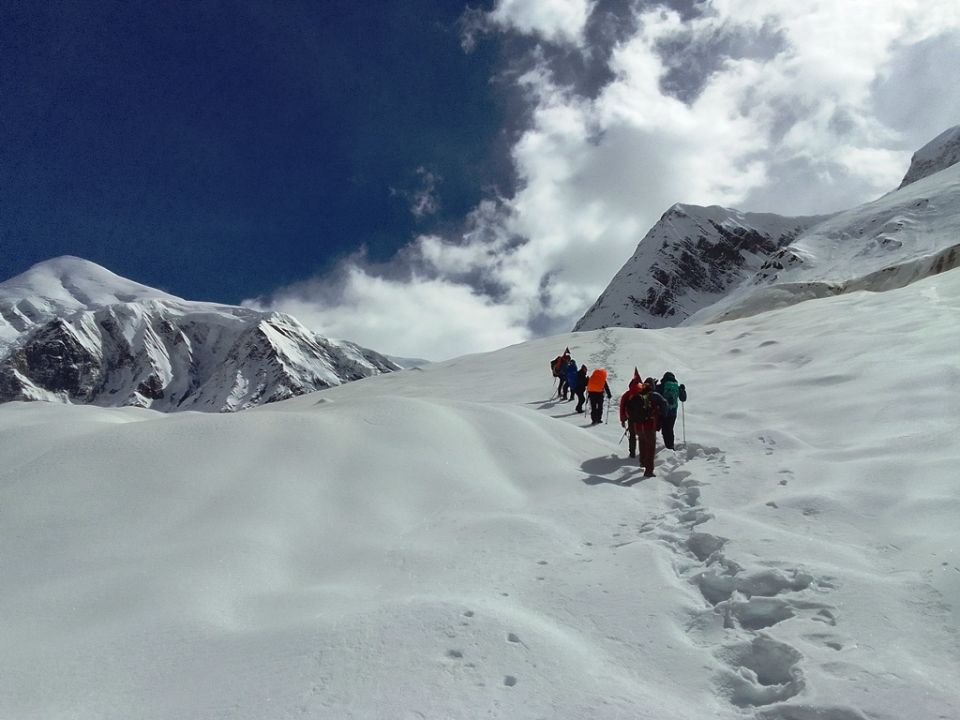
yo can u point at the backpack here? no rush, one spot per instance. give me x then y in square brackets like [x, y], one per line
[597, 381]
[671, 393]
[640, 408]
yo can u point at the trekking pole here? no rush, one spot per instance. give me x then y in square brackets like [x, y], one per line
[683, 423]
[607, 417]
[622, 437]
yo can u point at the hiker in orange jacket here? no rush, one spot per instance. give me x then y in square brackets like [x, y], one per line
[596, 388]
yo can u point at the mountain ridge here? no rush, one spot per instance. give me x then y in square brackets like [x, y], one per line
[704, 264]
[691, 257]
[72, 331]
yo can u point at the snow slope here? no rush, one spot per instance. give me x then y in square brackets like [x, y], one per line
[78, 333]
[691, 258]
[451, 543]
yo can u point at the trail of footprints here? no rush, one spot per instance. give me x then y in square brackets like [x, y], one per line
[760, 671]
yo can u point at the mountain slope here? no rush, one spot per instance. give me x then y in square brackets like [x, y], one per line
[85, 335]
[904, 236]
[689, 259]
[419, 546]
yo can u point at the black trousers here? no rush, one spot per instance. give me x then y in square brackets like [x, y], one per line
[596, 407]
[580, 400]
[666, 427]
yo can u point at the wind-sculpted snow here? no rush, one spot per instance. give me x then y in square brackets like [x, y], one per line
[454, 542]
[72, 340]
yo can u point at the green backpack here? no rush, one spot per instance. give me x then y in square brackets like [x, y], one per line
[671, 393]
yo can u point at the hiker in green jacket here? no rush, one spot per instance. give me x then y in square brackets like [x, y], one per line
[673, 393]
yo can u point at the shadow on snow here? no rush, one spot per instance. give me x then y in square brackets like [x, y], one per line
[609, 469]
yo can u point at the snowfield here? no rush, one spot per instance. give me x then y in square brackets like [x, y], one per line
[452, 543]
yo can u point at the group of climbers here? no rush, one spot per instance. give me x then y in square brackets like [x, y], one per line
[572, 380]
[646, 407]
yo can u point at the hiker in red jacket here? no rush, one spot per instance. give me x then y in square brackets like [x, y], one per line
[644, 410]
[632, 390]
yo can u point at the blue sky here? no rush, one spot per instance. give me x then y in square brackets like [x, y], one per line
[434, 178]
[221, 149]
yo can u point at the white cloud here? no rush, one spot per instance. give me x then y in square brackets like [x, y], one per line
[809, 125]
[417, 317]
[554, 20]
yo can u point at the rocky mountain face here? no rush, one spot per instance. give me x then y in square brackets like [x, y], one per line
[704, 264]
[692, 257]
[74, 332]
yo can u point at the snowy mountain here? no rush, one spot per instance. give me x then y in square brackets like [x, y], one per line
[75, 332]
[418, 546]
[706, 264]
[61, 287]
[939, 154]
[692, 257]
[904, 236]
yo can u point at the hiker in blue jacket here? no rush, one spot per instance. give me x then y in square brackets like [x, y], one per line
[572, 377]
[673, 393]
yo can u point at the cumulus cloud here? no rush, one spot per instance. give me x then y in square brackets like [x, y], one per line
[785, 107]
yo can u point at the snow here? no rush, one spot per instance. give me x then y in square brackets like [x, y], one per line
[450, 542]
